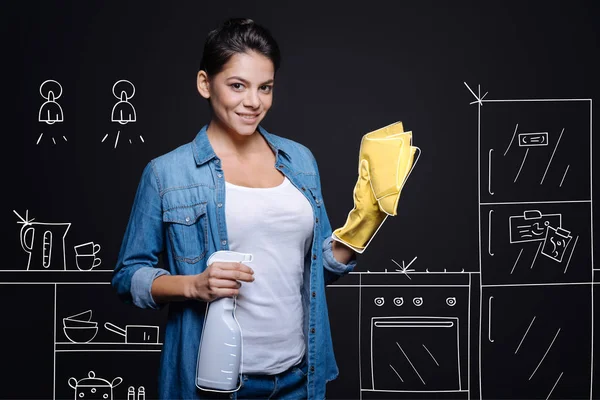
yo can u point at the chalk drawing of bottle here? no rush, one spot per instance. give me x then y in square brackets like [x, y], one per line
[50, 112]
[123, 111]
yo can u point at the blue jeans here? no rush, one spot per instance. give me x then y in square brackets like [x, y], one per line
[287, 385]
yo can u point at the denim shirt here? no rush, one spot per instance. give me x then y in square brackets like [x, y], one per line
[179, 214]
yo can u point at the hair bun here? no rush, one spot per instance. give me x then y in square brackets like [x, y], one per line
[237, 35]
[238, 21]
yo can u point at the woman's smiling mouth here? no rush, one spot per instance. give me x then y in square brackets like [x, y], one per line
[248, 117]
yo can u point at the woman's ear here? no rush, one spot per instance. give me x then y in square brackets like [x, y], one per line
[203, 84]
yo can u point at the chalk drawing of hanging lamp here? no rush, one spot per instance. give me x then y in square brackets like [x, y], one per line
[123, 111]
[50, 112]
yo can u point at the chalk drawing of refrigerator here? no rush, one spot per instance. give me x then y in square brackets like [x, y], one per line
[536, 249]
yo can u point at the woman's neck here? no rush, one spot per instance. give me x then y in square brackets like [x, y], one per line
[227, 142]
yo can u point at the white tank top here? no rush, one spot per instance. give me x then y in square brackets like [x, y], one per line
[275, 225]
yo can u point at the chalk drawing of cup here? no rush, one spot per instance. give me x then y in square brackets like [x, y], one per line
[85, 256]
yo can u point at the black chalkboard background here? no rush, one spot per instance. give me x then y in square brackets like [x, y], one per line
[346, 70]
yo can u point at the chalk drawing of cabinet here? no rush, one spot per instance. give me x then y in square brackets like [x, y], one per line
[535, 150]
[536, 241]
[536, 342]
[96, 332]
[62, 319]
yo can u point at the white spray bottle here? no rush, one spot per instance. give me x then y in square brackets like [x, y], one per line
[220, 352]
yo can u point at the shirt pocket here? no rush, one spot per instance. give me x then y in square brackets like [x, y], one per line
[187, 228]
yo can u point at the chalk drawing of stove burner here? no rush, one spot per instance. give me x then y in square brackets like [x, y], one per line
[50, 112]
[123, 111]
[44, 242]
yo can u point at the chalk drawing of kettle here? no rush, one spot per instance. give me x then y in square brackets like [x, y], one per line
[45, 244]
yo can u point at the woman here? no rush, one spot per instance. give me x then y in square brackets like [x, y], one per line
[237, 187]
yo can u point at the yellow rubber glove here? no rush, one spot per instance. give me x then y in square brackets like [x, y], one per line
[385, 160]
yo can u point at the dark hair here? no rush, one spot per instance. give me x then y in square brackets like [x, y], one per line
[237, 35]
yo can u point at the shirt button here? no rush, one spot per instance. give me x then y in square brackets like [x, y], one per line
[220, 175]
[303, 188]
[217, 161]
[223, 242]
[312, 330]
[314, 256]
[312, 368]
[317, 220]
[314, 294]
[220, 205]
[187, 219]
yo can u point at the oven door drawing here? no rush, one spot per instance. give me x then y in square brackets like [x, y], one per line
[415, 353]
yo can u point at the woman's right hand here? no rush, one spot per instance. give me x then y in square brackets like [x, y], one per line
[219, 279]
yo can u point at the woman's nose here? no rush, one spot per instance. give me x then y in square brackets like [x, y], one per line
[252, 99]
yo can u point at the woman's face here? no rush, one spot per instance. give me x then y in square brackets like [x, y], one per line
[242, 93]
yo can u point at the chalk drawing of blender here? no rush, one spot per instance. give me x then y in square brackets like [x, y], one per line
[44, 242]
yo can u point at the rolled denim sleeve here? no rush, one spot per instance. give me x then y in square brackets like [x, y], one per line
[333, 268]
[331, 263]
[141, 286]
[142, 244]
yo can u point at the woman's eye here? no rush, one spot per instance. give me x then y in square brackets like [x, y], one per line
[237, 86]
[266, 88]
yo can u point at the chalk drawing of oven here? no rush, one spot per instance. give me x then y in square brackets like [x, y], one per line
[414, 335]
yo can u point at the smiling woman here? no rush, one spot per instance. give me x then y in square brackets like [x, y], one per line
[274, 212]
[237, 73]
